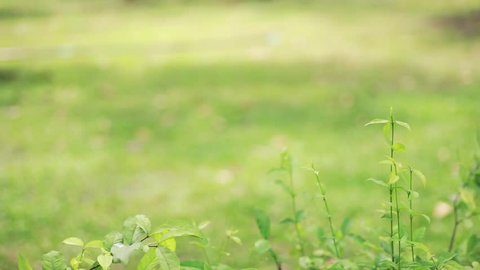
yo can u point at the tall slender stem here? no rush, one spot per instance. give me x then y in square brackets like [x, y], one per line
[456, 203]
[294, 207]
[398, 225]
[409, 193]
[455, 225]
[391, 187]
[394, 170]
[327, 209]
[276, 259]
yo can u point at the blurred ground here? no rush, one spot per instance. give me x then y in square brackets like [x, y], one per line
[178, 110]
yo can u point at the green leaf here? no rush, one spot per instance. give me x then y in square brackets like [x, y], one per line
[105, 260]
[89, 261]
[285, 187]
[23, 263]
[94, 244]
[168, 233]
[75, 262]
[420, 176]
[288, 221]
[53, 260]
[472, 243]
[427, 218]
[299, 216]
[377, 122]
[414, 194]
[378, 182]
[422, 247]
[389, 161]
[321, 234]
[186, 265]
[136, 228]
[403, 124]
[386, 216]
[203, 225]
[263, 223]
[393, 179]
[111, 239]
[168, 242]
[387, 133]
[262, 246]
[167, 259]
[235, 239]
[231, 234]
[129, 228]
[74, 241]
[149, 261]
[468, 198]
[122, 253]
[419, 234]
[446, 257]
[346, 224]
[144, 223]
[398, 147]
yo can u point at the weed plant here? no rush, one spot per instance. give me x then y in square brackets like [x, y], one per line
[153, 249]
[464, 205]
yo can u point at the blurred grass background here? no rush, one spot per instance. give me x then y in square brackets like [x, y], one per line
[178, 109]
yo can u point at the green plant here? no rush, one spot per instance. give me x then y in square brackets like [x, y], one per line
[411, 194]
[157, 249]
[389, 134]
[399, 234]
[402, 249]
[320, 258]
[298, 215]
[263, 245]
[327, 210]
[404, 238]
[465, 208]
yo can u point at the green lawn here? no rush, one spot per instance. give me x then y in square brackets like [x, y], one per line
[179, 111]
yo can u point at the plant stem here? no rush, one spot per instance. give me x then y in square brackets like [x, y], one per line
[223, 248]
[276, 259]
[455, 225]
[392, 138]
[409, 194]
[398, 225]
[456, 204]
[294, 209]
[327, 209]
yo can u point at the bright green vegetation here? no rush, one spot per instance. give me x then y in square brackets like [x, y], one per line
[179, 111]
[157, 249]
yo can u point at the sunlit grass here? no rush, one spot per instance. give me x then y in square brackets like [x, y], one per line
[178, 112]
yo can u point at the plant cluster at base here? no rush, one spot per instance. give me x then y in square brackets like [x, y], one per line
[156, 249]
[402, 248]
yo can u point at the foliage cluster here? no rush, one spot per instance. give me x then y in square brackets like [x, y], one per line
[403, 247]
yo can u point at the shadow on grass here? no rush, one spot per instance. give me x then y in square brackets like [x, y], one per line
[12, 13]
[466, 24]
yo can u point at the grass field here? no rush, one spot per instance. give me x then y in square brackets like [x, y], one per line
[178, 111]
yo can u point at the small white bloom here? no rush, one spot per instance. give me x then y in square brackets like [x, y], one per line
[442, 210]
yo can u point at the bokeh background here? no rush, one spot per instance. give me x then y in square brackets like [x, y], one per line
[178, 109]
